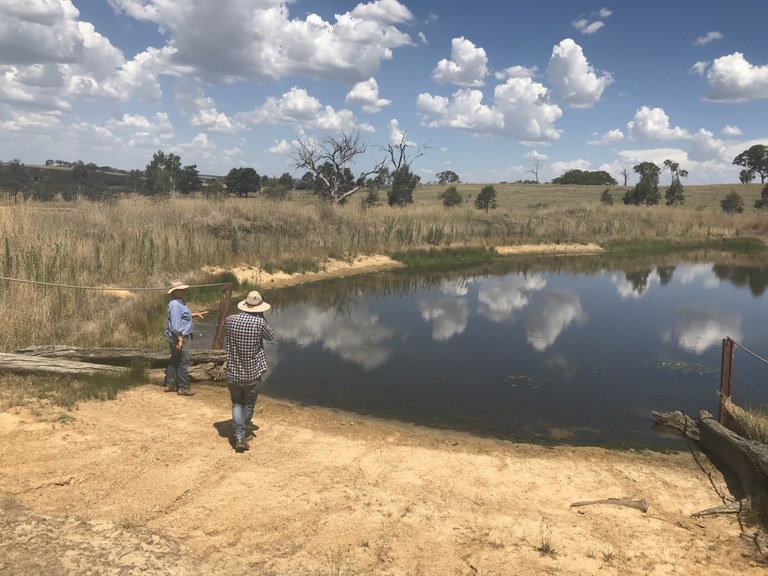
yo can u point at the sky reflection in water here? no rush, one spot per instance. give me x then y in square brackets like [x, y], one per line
[547, 352]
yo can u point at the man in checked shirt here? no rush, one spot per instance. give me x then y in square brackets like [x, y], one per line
[245, 333]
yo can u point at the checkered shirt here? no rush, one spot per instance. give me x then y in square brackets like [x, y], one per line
[245, 334]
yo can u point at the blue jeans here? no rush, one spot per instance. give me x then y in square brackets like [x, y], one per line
[243, 395]
[176, 372]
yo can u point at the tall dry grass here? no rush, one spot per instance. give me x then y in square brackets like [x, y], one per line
[139, 243]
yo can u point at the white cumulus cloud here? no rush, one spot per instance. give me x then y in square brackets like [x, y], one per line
[653, 124]
[732, 79]
[573, 80]
[468, 65]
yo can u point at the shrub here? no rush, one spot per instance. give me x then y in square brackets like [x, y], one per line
[606, 197]
[486, 199]
[450, 196]
[732, 203]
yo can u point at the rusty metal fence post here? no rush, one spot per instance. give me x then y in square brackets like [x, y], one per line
[726, 373]
[224, 299]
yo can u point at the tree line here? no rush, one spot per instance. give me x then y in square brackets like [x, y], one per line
[328, 173]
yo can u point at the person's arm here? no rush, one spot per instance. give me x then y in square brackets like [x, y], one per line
[174, 316]
[266, 331]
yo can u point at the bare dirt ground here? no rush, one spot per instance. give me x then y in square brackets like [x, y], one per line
[148, 484]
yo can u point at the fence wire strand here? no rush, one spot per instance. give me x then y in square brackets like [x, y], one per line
[104, 288]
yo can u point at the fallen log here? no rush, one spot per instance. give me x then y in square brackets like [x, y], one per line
[747, 458]
[679, 421]
[23, 364]
[641, 504]
[120, 356]
[730, 508]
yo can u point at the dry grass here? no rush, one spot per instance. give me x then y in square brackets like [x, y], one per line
[138, 243]
[751, 423]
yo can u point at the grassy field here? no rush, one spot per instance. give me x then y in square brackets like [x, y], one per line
[136, 243]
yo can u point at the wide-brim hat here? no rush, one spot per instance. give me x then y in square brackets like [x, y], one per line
[177, 285]
[253, 303]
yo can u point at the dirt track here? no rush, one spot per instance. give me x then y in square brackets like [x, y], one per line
[148, 484]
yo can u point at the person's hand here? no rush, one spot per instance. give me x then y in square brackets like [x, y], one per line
[179, 344]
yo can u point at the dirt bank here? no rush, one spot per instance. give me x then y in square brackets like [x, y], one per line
[148, 484]
[375, 263]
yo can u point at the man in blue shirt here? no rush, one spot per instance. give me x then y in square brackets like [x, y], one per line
[178, 330]
[245, 333]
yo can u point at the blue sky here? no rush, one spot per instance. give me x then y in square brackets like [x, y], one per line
[487, 89]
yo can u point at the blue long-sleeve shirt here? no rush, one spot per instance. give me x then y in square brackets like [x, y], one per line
[179, 320]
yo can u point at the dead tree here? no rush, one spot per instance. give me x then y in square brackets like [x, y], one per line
[329, 161]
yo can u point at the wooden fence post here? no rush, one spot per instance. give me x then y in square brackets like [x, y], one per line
[726, 372]
[224, 299]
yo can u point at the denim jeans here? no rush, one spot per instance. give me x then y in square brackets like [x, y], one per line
[176, 372]
[243, 395]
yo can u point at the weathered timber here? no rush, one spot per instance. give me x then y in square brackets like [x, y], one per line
[641, 505]
[23, 364]
[120, 356]
[747, 458]
[679, 421]
[730, 508]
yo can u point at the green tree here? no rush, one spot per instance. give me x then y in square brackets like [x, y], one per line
[80, 179]
[646, 191]
[42, 190]
[762, 202]
[755, 159]
[732, 203]
[242, 181]
[404, 182]
[286, 181]
[162, 174]
[306, 182]
[135, 180]
[746, 176]
[486, 199]
[450, 197]
[189, 180]
[585, 177]
[447, 177]
[15, 179]
[674, 194]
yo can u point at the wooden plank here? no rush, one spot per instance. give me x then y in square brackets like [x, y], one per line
[24, 364]
[121, 356]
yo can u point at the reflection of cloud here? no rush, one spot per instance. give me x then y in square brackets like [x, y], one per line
[701, 272]
[560, 365]
[357, 335]
[698, 330]
[628, 289]
[550, 314]
[499, 297]
[448, 316]
[458, 287]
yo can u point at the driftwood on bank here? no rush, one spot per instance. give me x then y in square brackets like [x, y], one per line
[747, 458]
[205, 365]
[679, 421]
[22, 364]
[641, 504]
[122, 356]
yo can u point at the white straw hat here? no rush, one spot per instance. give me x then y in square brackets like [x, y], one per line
[253, 303]
[177, 285]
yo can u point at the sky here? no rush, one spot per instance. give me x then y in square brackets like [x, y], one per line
[491, 90]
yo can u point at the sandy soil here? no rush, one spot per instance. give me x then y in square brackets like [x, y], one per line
[149, 484]
[374, 263]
